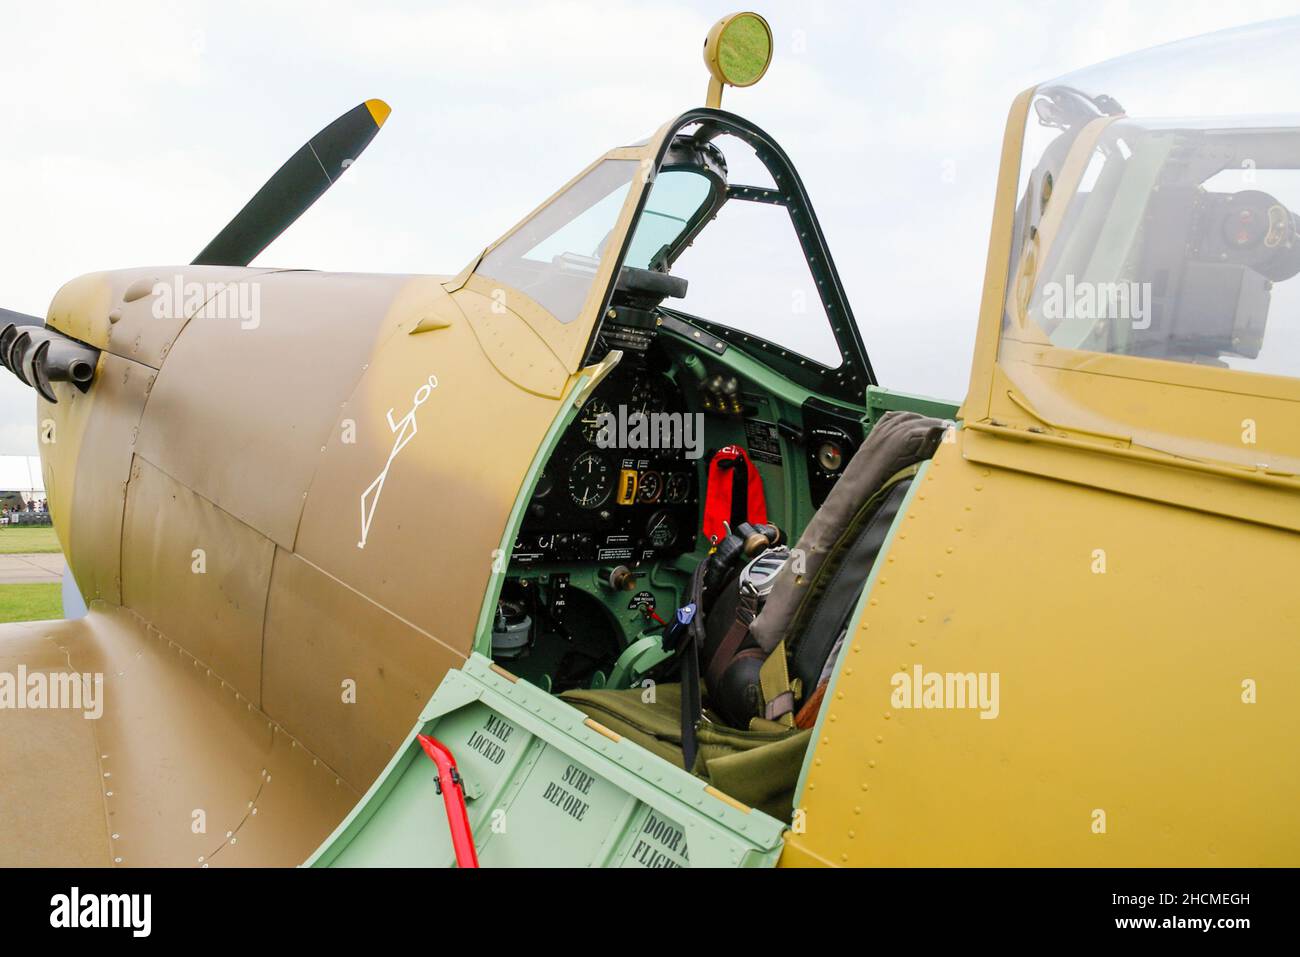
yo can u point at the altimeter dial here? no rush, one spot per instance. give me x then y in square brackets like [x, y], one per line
[590, 480]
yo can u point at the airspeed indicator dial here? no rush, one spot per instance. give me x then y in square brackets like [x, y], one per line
[593, 418]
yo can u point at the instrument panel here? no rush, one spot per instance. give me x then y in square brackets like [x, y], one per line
[831, 437]
[607, 493]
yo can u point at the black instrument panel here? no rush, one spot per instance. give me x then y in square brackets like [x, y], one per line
[608, 494]
[831, 437]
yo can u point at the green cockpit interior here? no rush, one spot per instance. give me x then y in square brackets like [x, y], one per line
[609, 527]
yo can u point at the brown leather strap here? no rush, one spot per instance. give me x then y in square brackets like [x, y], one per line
[726, 653]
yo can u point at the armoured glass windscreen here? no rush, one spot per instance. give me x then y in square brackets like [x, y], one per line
[1157, 211]
[674, 199]
[554, 256]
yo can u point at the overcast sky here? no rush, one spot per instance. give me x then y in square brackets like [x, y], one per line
[134, 131]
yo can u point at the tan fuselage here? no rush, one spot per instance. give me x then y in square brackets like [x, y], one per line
[299, 487]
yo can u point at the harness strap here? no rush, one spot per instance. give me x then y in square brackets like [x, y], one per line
[731, 641]
[692, 706]
[734, 494]
[778, 695]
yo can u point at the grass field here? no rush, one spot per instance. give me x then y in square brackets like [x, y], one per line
[27, 540]
[30, 602]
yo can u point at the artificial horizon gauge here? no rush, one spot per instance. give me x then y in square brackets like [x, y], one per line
[590, 480]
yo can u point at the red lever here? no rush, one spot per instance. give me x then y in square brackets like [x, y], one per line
[453, 796]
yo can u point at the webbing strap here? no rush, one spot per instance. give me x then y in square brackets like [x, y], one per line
[774, 679]
[691, 642]
[725, 653]
[691, 706]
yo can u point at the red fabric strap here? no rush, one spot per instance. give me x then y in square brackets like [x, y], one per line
[720, 495]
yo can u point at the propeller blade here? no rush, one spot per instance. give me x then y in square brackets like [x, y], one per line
[19, 318]
[297, 184]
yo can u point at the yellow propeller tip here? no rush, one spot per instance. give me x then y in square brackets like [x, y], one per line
[379, 110]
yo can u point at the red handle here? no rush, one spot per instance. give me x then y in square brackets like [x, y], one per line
[453, 796]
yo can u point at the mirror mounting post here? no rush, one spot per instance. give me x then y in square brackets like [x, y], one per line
[713, 100]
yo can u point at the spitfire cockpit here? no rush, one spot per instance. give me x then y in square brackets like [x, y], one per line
[697, 258]
[689, 277]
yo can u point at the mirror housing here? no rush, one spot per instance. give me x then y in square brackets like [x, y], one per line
[737, 52]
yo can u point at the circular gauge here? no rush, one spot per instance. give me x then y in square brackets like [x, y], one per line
[829, 450]
[591, 420]
[544, 486]
[590, 480]
[830, 456]
[678, 488]
[661, 530]
[649, 487]
[646, 396]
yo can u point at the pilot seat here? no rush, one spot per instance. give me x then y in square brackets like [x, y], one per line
[761, 701]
